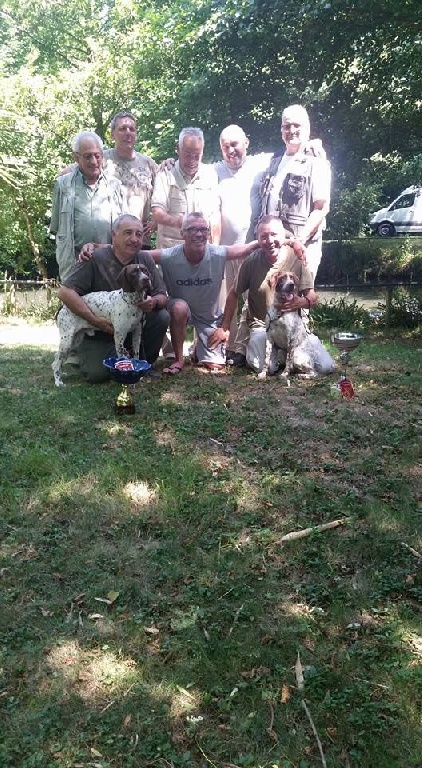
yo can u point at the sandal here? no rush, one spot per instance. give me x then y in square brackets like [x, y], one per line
[173, 370]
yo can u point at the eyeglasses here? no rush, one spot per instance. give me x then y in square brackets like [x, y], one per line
[197, 230]
[90, 155]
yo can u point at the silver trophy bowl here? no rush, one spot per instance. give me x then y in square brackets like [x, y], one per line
[346, 343]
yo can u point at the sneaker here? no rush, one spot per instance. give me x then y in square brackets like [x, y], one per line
[238, 360]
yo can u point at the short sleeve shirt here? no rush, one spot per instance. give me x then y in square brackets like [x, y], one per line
[252, 277]
[136, 176]
[93, 212]
[235, 196]
[178, 195]
[197, 284]
[101, 271]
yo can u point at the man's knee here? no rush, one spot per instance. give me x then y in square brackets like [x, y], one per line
[256, 349]
[92, 351]
[179, 312]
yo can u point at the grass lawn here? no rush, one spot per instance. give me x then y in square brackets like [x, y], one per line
[150, 614]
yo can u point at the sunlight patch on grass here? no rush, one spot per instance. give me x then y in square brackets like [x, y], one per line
[415, 642]
[92, 674]
[181, 700]
[293, 609]
[166, 438]
[140, 494]
[117, 429]
[173, 397]
[82, 486]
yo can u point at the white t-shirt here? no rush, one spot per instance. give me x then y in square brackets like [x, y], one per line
[235, 196]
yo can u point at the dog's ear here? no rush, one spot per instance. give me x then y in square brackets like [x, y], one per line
[274, 276]
[125, 278]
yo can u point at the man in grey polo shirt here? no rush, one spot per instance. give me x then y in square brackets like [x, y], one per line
[85, 203]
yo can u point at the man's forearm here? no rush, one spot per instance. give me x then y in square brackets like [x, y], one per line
[241, 251]
[313, 222]
[161, 216]
[229, 310]
[216, 230]
[76, 304]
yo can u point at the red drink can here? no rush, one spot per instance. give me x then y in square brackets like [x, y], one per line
[346, 388]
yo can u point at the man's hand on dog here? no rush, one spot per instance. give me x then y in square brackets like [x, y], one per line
[104, 325]
[297, 302]
[298, 247]
[148, 304]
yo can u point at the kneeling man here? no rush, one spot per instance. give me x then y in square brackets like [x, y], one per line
[254, 277]
[193, 272]
[98, 272]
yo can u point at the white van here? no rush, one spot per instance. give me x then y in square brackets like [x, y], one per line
[403, 215]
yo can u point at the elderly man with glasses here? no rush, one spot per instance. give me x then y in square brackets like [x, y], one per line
[85, 203]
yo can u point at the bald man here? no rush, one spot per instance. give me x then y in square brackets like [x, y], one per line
[236, 173]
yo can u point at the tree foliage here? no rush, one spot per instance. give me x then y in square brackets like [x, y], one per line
[71, 64]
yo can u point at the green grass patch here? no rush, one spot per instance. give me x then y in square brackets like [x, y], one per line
[149, 613]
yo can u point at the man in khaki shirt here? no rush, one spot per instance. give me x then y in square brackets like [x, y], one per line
[188, 187]
[85, 202]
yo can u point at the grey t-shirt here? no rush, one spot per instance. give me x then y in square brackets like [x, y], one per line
[197, 284]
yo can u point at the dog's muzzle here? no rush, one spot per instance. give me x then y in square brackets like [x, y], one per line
[286, 290]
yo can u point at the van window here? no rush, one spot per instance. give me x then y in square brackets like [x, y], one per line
[406, 201]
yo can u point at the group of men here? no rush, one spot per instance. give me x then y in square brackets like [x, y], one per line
[107, 204]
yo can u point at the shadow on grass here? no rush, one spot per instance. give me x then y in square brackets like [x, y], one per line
[151, 615]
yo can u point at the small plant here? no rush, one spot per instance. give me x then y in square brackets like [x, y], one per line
[40, 311]
[341, 314]
[405, 311]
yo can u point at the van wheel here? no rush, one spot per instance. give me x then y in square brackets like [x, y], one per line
[385, 229]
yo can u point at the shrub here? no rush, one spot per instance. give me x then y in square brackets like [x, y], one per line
[341, 314]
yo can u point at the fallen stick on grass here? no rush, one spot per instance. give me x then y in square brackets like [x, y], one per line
[315, 529]
[315, 732]
[413, 551]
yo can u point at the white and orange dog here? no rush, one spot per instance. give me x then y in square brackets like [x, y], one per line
[290, 343]
[119, 307]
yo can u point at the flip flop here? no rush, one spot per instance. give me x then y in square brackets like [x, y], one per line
[212, 366]
[173, 370]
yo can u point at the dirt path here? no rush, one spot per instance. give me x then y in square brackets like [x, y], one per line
[18, 332]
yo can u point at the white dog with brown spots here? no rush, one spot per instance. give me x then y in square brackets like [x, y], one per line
[120, 307]
[291, 345]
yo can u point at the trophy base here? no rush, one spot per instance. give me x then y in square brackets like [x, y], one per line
[125, 404]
